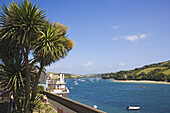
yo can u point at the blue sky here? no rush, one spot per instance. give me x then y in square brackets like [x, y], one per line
[110, 35]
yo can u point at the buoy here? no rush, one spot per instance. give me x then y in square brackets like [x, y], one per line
[95, 106]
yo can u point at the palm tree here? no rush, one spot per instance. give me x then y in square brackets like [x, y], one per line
[24, 25]
[12, 71]
[51, 46]
[20, 24]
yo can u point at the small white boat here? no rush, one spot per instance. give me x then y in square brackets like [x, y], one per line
[133, 108]
[95, 106]
[82, 80]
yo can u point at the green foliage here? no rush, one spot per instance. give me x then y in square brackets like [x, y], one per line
[39, 106]
[40, 89]
[24, 26]
[156, 72]
[66, 75]
[12, 73]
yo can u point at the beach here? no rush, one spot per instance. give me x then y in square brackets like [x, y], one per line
[142, 81]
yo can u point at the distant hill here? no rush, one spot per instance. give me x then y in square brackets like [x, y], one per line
[157, 72]
[73, 76]
[67, 75]
[92, 75]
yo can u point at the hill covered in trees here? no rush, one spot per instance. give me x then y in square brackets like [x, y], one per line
[156, 72]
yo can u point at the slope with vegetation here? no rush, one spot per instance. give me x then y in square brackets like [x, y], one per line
[75, 76]
[156, 72]
[67, 75]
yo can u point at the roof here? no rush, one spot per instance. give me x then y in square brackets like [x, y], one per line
[54, 77]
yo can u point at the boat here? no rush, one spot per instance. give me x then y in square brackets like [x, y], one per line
[133, 108]
[95, 106]
[82, 80]
[140, 86]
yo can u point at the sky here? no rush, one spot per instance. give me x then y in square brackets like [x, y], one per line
[110, 35]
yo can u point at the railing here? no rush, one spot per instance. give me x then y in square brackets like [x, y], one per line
[73, 105]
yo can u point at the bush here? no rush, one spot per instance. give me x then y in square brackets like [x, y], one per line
[40, 89]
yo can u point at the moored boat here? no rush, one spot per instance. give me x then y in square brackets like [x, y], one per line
[133, 108]
[140, 86]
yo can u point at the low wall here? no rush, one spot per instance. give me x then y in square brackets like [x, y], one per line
[73, 105]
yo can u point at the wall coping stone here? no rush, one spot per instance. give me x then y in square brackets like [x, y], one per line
[71, 104]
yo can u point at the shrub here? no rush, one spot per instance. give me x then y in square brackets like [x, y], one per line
[40, 89]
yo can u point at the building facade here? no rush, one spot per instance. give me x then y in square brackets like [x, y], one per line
[56, 85]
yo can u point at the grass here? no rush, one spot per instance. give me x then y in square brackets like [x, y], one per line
[167, 72]
[146, 71]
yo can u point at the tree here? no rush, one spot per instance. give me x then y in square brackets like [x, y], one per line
[51, 46]
[20, 24]
[23, 24]
[12, 71]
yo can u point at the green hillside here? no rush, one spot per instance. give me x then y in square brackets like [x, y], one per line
[157, 72]
[67, 75]
[151, 69]
[167, 71]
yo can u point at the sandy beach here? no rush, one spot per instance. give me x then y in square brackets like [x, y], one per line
[142, 81]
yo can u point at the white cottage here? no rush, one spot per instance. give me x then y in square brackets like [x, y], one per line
[56, 85]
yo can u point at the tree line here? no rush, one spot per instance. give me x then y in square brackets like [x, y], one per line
[138, 73]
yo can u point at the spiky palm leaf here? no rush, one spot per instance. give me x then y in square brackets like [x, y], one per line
[52, 45]
[20, 22]
[12, 72]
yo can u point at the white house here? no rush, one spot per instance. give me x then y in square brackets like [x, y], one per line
[56, 85]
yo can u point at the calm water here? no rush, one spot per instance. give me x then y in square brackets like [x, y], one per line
[114, 97]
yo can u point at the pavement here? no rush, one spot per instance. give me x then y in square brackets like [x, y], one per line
[60, 108]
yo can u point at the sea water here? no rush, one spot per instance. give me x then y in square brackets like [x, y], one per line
[114, 97]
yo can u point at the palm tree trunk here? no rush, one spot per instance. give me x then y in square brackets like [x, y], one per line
[34, 92]
[27, 91]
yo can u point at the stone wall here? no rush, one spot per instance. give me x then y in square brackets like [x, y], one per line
[72, 105]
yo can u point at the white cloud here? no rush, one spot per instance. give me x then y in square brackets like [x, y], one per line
[87, 64]
[114, 38]
[135, 37]
[143, 36]
[132, 37]
[122, 64]
[114, 27]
